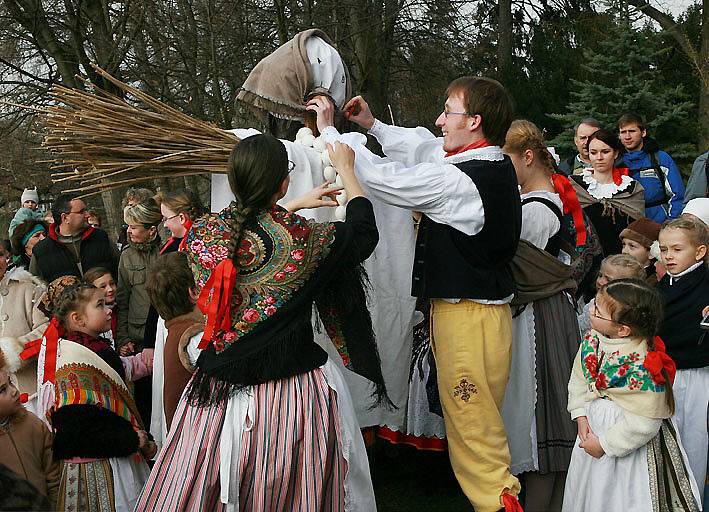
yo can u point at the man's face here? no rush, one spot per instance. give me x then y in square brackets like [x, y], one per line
[456, 123]
[75, 219]
[581, 138]
[632, 137]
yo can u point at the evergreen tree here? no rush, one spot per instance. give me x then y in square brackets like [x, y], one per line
[622, 76]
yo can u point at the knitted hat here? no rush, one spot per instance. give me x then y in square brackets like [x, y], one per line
[643, 231]
[698, 207]
[30, 194]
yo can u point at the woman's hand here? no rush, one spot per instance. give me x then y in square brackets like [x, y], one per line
[148, 355]
[357, 110]
[584, 429]
[592, 446]
[342, 157]
[319, 196]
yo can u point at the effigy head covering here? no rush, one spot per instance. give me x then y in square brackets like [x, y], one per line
[306, 65]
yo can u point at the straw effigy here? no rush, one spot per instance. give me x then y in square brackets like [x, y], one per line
[99, 141]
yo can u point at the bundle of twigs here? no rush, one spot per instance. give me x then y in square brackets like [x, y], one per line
[99, 141]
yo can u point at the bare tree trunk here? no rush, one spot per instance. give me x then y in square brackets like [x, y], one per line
[504, 38]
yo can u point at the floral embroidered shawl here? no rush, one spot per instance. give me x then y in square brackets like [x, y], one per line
[282, 268]
[616, 370]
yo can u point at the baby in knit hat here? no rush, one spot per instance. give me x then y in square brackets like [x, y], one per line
[30, 202]
[30, 198]
[638, 239]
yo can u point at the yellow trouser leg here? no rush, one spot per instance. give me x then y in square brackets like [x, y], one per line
[472, 344]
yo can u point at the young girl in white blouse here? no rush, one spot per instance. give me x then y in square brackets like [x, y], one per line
[628, 456]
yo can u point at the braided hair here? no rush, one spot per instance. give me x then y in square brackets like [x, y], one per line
[638, 305]
[72, 298]
[258, 165]
[524, 135]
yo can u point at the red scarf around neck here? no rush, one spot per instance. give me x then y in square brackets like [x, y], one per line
[482, 143]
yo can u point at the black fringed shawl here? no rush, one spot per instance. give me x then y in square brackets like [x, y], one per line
[271, 333]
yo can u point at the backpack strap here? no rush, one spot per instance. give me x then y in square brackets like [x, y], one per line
[546, 202]
[663, 182]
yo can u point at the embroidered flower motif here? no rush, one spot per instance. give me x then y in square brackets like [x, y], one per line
[634, 383]
[290, 268]
[218, 344]
[251, 315]
[591, 362]
[229, 336]
[345, 359]
[634, 356]
[465, 389]
[270, 310]
[197, 246]
[602, 381]
[241, 326]
[269, 300]
[206, 260]
[219, 251]
[279, 276]
[297, 254]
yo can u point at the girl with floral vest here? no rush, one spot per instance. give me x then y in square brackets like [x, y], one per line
[628, 454]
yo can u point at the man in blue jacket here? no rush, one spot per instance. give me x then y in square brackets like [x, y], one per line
[653, 168]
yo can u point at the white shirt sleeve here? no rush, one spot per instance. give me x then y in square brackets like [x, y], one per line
[630, 433]
[409, 146]
[539, 224]
[441, 191]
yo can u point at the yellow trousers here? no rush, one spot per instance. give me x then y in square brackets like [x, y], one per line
[472, 344]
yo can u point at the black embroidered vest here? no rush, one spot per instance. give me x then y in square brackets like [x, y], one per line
[450, 264]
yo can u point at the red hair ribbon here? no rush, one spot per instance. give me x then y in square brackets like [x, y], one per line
[482, 143]
[219, 287]
[32, 348]
[657, 360]
[570, 200]
[618, 172]
[183, 243]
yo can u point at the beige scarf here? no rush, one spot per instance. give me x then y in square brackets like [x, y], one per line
[281, 82]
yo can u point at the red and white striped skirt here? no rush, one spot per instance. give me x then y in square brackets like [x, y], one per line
[292, 454]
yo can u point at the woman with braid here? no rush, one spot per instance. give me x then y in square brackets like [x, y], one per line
[267, 422]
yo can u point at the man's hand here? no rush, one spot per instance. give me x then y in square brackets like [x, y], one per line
[127, 349]
[323, 107]
[357, 110]
[592, 446]
[323, 195]
[145, 445]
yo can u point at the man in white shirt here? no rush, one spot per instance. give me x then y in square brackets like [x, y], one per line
[467, 191]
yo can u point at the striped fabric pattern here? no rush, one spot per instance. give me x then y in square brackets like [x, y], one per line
[186, 473]
[87, 487]
[291, 457]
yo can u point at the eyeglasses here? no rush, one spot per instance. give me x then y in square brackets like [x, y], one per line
[82, 211]
[593, 314]
[291, 166]
[165, 219]
[446, 114]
